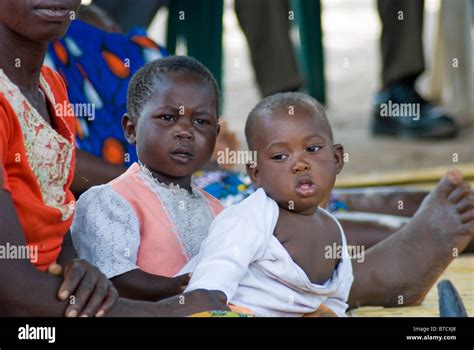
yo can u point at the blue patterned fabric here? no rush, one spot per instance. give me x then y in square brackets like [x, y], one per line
[97, 67]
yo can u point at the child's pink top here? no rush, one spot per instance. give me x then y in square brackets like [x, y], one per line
[135, 222]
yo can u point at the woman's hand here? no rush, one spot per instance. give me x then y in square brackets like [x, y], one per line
[90, 293]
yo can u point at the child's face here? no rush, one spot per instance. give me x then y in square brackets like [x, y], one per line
[177, 129]
[38, 20]
[297, 162]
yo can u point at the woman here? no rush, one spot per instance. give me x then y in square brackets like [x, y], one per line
[37, 167]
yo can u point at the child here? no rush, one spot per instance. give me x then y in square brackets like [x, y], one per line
[150, 221]
[273, 253]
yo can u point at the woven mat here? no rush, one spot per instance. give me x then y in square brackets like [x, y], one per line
[460, 272]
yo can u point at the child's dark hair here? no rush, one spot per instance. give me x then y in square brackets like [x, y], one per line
[144, 83]
[282, 99]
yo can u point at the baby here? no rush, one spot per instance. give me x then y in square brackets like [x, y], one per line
[269, 253]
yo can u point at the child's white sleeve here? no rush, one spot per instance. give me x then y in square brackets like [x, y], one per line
[232, 244]
[106, 232]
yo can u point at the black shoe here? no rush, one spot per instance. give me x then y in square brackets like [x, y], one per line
[399, 111]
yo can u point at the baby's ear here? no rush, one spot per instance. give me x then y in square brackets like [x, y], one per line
[253, 172]
[129, 129]
[338, 151]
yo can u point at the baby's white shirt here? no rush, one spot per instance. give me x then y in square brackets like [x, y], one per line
[242, 258]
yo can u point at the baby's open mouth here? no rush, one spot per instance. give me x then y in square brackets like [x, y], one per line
[305, 187]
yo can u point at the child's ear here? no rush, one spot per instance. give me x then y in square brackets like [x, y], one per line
[253, 173]
[129, 129]
[338, 151]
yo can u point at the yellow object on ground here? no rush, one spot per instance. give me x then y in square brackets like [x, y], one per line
[424, 177]
[220, 314]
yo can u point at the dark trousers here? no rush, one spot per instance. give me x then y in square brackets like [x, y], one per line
[401, 42]
[266, 26]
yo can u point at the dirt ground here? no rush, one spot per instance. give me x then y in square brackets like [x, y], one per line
[351, 32]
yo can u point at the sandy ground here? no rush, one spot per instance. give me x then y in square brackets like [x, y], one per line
[351, 31]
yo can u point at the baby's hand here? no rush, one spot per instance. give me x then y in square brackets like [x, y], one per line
[175, 285]
[166, 287]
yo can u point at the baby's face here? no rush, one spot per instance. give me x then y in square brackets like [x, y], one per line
[177, 128]
[297, 162]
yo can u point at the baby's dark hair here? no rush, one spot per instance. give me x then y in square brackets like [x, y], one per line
[144, 83]
[279, 100]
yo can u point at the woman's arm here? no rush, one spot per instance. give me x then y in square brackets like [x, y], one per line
[24, 290]
[178, 306]
[28, 292]
[93, 171]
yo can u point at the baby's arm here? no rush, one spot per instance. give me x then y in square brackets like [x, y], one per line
[106, 232]
[232, 244]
